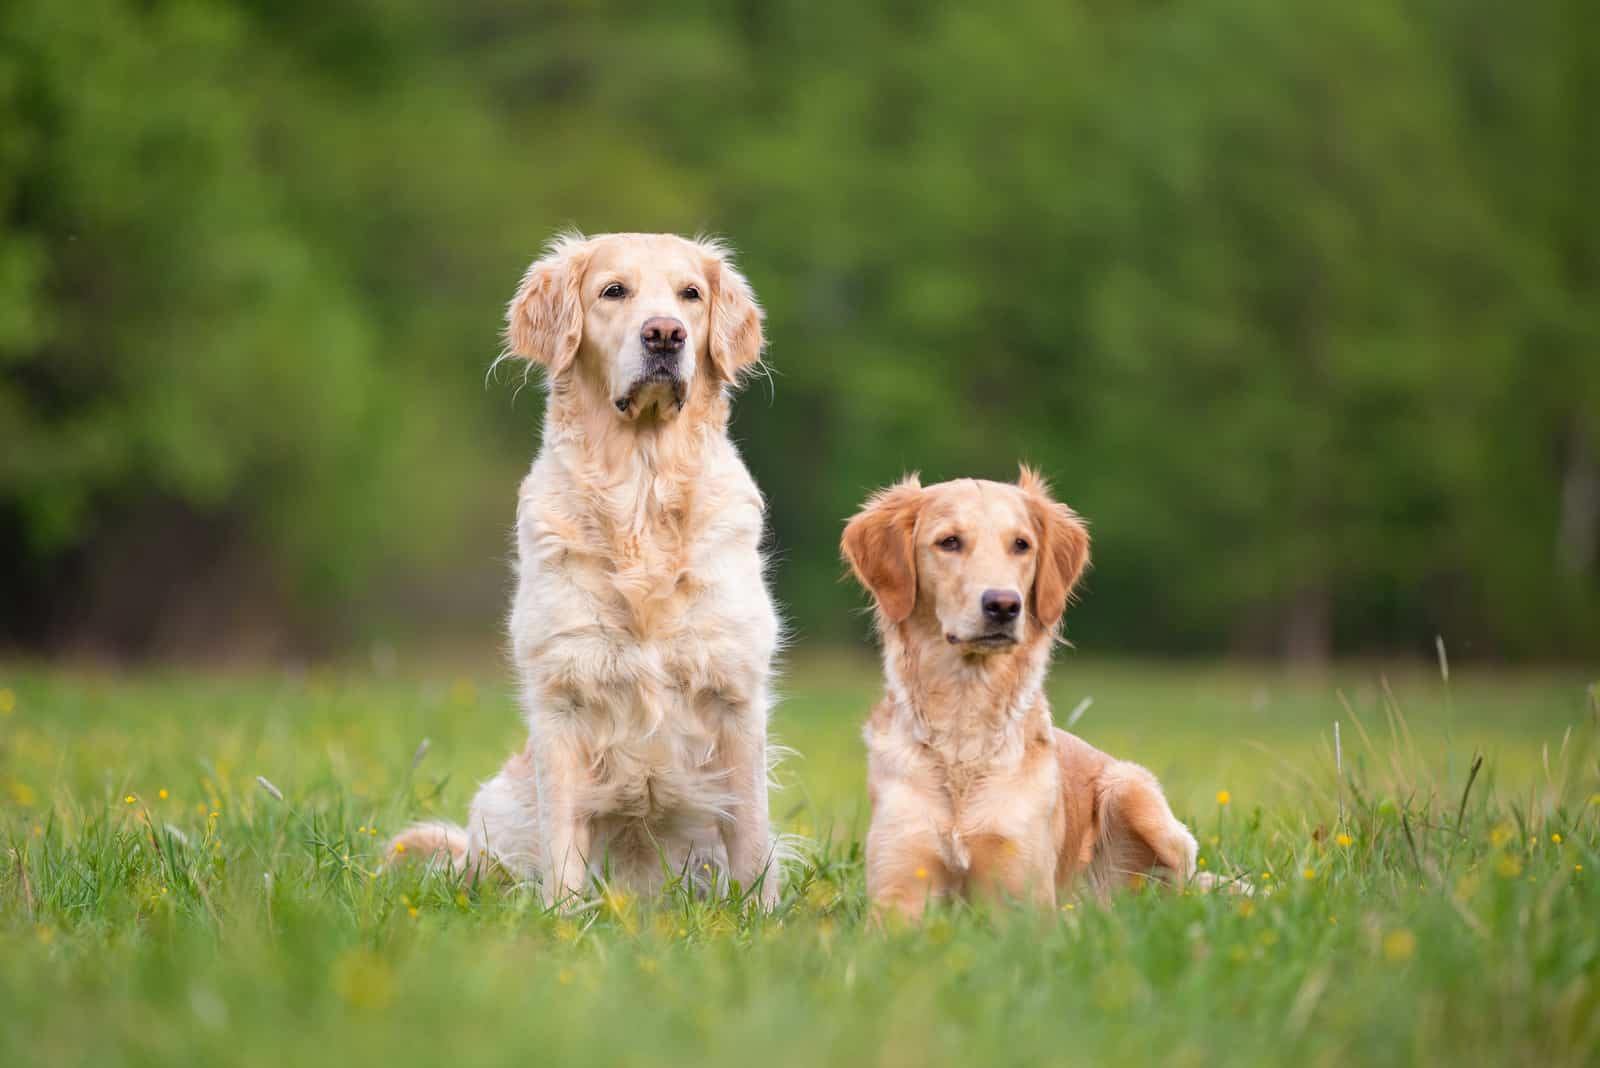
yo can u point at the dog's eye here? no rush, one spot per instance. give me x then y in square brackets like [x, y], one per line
[1021, 545]
[952, 544]
[614, 291]
[692, 293]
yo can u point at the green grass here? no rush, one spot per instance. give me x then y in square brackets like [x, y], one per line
[216, 924]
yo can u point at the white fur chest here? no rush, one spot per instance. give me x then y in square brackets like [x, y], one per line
[642, 627]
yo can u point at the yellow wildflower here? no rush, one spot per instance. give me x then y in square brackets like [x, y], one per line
[1201, 861]
[130, 799]
[1556, 838]
[922, 873]
[1509, 867]
[1309, 874]
[1500, 836]
[412, 912]
[162, 793]
[1399, 945]
[620, 905]
[1344, 840]
[399, 847]
[1223, 797]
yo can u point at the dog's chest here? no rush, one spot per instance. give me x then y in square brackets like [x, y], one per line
[988, 789]
[650, 666]
[671, 569]
[642, 624]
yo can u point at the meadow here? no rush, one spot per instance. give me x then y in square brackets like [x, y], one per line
[160, 904]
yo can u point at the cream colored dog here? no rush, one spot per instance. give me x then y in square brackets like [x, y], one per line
[973, 790]
[641, 628]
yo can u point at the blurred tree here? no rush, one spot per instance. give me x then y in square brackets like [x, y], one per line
[1529, 525]
[1305, 302]
[198, 408]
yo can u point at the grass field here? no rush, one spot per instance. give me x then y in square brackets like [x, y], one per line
[159, 906]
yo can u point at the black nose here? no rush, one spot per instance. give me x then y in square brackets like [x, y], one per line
[663, 336]
[1002, 606]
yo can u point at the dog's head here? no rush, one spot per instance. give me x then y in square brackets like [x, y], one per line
[645, 319]
[989, 565]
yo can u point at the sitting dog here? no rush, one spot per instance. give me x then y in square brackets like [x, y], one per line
[641, 628]
[973, 791]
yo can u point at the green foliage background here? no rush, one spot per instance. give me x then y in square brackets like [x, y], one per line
[1297, 302]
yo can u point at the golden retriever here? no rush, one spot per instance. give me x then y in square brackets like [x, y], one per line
[641, 627]
[973, 791]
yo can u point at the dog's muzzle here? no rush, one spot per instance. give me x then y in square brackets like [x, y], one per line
[660, 372]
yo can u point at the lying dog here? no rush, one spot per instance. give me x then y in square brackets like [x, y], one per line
[641, 628]
[973, 791]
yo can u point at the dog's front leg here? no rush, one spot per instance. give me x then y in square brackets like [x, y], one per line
[563, 827]
[746, 830]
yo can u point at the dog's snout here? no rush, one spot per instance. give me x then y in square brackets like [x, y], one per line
[663, 335]
[1001, 606]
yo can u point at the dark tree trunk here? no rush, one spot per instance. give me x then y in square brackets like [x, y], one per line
[1578, 534]
[1308, 627]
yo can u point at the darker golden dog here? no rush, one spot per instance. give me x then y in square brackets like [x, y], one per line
[974, 791]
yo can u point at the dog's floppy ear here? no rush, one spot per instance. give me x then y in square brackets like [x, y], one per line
[544, 321]
[880, 547]
[1063, 549]
[736, 339]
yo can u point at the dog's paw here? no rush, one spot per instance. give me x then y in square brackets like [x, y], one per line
[1212, 883]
